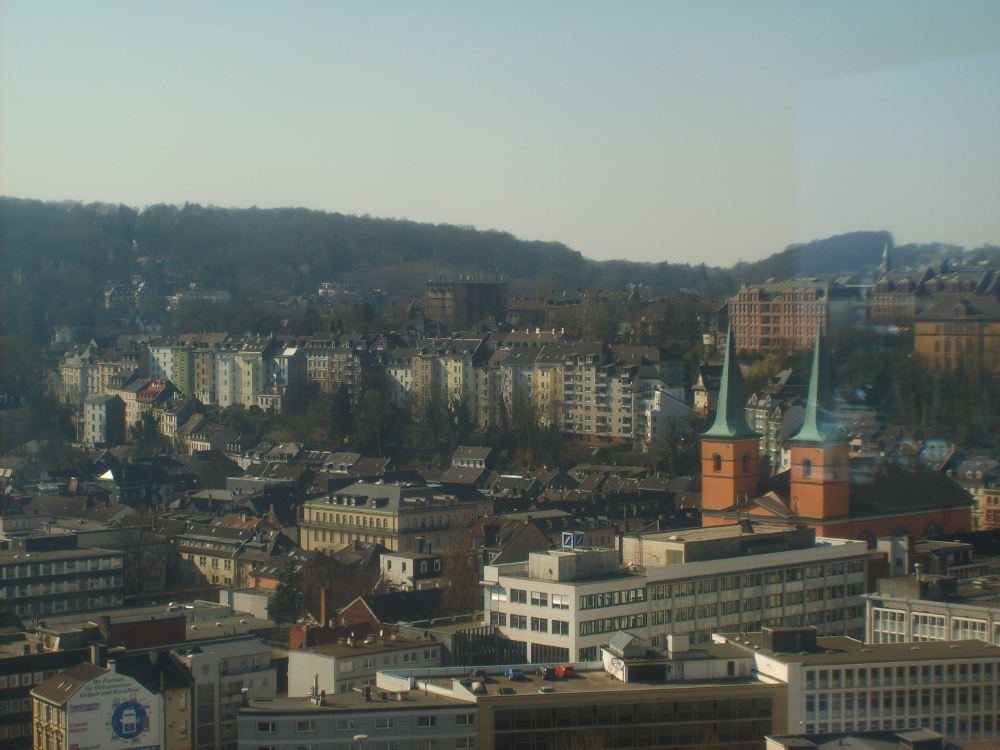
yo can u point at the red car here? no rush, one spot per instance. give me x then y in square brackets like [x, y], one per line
[565, 671]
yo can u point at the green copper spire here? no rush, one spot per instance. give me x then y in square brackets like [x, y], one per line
[730, 417]
[817, 428]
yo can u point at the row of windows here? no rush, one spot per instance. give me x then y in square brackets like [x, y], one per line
[612, 624]
[965, 727]
[889, 626]
[912, 675]
[57, 568]
[612, 598]
[903, 701]
[768, 578]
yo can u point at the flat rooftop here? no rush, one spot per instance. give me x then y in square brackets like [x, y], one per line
[708, 533]
[401, 642]
[350, 703]
[843, 650]
[204, 619]
[13, 556]
[591, 681]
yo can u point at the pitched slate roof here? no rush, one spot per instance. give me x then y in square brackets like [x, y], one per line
[59, 689]
[405, 606]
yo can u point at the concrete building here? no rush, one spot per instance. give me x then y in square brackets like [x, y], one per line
[684, 586]
[414, 721]
[103, 421]
[49, 574]
[222, 670]
[841, 684]
[342, 667]
[926, 607]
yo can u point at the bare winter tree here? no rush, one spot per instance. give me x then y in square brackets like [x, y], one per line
[461, 571]
[143, 551]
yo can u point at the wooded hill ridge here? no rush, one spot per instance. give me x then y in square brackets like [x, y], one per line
[57, 258]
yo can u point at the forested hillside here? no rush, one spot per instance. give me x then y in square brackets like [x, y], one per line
[57, 258]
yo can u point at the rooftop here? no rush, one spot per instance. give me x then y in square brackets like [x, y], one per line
[844, 650]
[349, 702]
[361, 648]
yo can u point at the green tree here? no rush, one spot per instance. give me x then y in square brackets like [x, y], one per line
[146, 432]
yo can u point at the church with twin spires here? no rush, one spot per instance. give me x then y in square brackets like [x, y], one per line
[863, 498]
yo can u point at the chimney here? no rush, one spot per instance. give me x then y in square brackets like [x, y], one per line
[918, 570]
[104, 625]
[244, 697]
[322, 607]
[98, 654]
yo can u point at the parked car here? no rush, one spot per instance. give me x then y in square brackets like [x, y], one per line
[507, 691]
[546, 673]
[513, 673]
[546, 689]
[478, 674]
[565, 671]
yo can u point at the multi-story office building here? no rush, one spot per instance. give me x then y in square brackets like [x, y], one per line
[684, 698]
[356, 721]
[392, 515]
[926, 607]
[841, 684]
[561, 605]
[50, 574]
[222, 670]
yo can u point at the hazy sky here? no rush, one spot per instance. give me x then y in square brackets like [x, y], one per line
[682, 131]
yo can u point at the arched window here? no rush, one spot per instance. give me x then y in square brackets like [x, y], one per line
[933, 531]
[716, 462]
[807, 468]
[901, 531]
[746, 463]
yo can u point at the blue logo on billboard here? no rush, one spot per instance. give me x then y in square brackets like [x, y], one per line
[128, 720]
[572, 539]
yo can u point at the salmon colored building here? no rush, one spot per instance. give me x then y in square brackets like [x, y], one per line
[824, 489]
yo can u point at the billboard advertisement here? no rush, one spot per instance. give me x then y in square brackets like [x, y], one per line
[115, 712]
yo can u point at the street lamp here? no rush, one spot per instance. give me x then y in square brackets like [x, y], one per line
[360, 738]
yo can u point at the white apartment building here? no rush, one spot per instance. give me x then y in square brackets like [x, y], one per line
[561, 605]
[341, 667]
[843, 685]
[103, 420]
